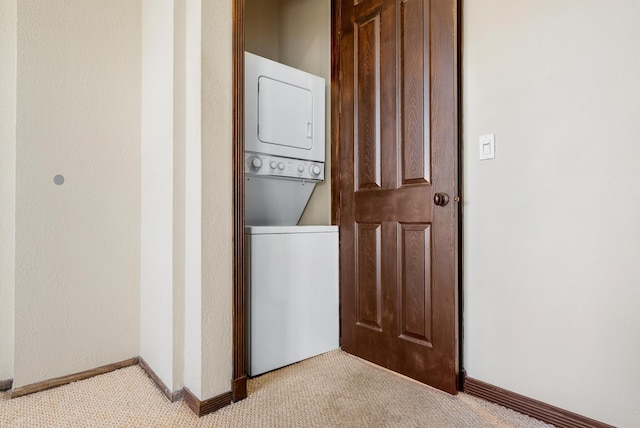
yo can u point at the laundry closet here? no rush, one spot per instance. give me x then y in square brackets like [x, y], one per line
[298, 33]
[291, 248]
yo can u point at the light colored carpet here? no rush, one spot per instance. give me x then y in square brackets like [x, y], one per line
[331, 390]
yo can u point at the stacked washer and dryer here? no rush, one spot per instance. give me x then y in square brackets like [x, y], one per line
[292, 271]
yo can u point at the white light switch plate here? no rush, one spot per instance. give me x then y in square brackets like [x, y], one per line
[487, 146]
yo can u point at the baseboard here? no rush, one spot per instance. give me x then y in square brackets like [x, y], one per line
[171, 396]
[462, 375]
[239, 389]
[205, 407]
[528, 406]
[63, 380]
[5, 385]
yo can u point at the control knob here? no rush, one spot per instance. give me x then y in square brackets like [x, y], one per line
[256, 163]
[281, 166]
[315, 170]
[273, 164]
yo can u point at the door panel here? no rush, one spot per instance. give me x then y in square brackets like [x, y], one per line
[398, 148]
[414, 283]
[369, 285]
[414, 58]
[367, 87]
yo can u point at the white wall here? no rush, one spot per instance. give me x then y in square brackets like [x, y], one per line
[262, 28]
[186, 257]
[551, 226]
[208, 199]
[217, 198]
[7, 181]
[179, 184]
[193, 201]
[305, 43]
[157, 209]
[77, 245]
[133, 254]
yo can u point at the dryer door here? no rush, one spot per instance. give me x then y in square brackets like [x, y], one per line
[285, 114]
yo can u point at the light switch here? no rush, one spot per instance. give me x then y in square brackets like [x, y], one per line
[487, 146]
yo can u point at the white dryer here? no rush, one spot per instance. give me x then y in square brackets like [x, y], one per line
[284, 110]
[284, 140]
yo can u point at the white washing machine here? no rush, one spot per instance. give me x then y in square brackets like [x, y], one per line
[293, 293]
[292, 271]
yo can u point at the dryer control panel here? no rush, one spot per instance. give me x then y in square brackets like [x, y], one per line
[276, 166]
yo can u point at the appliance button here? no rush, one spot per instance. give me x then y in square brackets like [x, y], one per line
[300, 168]
[281, 166]
[273, 164]
[256, 163]
[315, 170]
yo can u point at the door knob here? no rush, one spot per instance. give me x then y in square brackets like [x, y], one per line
[441, 199]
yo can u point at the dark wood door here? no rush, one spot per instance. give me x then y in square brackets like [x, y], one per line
[398, 161]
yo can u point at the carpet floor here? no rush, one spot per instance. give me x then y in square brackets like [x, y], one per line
[331, 390]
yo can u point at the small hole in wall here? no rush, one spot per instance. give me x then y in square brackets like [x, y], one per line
[58, 179]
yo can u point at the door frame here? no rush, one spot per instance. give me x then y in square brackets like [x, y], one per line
[462, 373]
[239, 350]
[239, 317]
